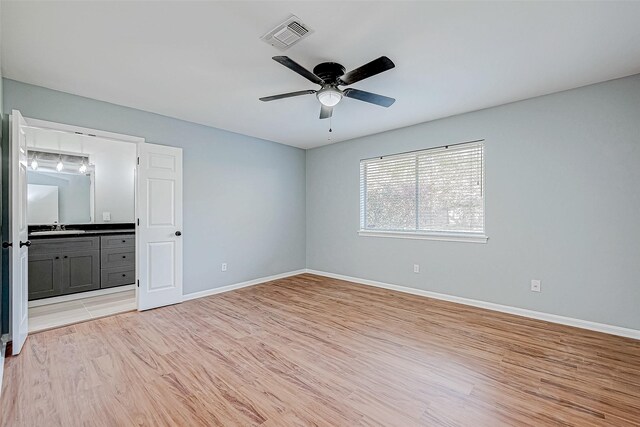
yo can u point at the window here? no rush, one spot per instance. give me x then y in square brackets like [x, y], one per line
[434, 194]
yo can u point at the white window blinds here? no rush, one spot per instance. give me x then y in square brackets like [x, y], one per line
[439, 190]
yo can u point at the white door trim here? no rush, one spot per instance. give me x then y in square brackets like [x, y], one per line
[61, 127]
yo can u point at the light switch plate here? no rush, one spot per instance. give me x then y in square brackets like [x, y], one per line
[106, 216]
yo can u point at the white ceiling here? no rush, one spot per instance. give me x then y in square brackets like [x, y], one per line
[204, 62]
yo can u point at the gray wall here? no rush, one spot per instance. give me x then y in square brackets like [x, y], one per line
[562, 201]
[244, 198]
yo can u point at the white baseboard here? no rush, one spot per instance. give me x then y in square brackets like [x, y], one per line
[228, 288]
[80, 295]
[553, 318]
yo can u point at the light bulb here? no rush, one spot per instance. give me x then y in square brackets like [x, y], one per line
[34, 164]
[329, 96]
[83, 168]
[59, 166]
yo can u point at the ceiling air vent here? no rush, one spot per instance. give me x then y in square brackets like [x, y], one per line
[287, 33]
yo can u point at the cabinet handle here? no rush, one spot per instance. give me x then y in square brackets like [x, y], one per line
[66, 256]
[57, 257]
[124, 241]
[124, 275]
[124, 256]
[27, 243]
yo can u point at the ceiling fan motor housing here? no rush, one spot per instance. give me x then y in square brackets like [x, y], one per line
[329, 72]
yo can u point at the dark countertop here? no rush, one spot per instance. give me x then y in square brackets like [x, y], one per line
[85, 233]
[89, 230]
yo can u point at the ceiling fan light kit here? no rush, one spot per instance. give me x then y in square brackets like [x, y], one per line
[330, 75]
[329, 96]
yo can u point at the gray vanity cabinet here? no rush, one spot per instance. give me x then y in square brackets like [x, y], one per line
[118, 263]
[80, 271]
[45, 275]
[63, 266]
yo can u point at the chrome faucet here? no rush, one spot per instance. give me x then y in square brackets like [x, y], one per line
[57, 227]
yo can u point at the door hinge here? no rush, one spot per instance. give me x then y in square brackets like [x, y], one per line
[138, 221]
[138, 160]
[138, 283]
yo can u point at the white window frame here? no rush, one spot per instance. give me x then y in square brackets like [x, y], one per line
[449, 236]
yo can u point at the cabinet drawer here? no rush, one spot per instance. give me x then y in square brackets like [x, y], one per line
[118, 241]
[111, 277]
[123, 257]
[69, 244]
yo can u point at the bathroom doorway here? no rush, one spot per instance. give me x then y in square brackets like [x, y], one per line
[81, 225]
[103, 250]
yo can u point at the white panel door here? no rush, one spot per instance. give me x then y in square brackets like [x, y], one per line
[18, 230]
[159, 233]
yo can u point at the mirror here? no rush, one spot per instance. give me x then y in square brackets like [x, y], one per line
[59, 198]
[79, 179]
[42, 203]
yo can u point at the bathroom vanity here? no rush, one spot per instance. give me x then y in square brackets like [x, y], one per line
[70, 261]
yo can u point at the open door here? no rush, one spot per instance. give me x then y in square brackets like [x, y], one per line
[18, 231]
[159, 228]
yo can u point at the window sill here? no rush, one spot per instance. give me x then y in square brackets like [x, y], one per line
[447, 237]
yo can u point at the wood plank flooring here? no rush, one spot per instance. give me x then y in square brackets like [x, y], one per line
[313, 351]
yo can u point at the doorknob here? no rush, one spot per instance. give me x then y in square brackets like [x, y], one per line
[178, 233]
[27, 243]
[5, 245]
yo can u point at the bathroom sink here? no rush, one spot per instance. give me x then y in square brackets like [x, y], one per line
[55, 232]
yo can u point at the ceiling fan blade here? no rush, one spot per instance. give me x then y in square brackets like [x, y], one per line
[373, 98]
[326, 112]
[294, 66]
[374, 67]
[287, 95]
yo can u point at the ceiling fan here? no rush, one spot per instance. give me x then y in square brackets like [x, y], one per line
[330, 75]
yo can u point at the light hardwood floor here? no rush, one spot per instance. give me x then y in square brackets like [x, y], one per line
[308, 350]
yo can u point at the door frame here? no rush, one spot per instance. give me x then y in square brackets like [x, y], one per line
[72, 129]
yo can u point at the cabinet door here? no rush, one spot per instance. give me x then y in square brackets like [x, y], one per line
[45, 276]
[80, 271]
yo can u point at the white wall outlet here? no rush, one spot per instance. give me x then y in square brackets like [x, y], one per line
[106, 216]
[416, 268]
[535, 286]
[224, 266]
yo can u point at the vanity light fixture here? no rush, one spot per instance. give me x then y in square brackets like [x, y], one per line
[59, 166]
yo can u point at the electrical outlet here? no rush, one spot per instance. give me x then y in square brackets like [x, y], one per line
[416, 268]
[535, 286]
[106, 216]
[224, 266]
